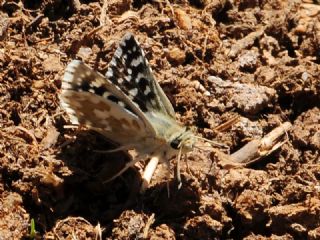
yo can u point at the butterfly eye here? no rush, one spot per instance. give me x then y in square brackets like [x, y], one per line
[175, 143]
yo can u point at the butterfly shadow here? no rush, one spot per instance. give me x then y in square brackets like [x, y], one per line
[84, 191]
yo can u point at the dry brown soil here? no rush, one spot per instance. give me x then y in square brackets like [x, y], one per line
[53, 174]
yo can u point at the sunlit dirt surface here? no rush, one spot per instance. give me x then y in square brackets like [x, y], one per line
[268, 54]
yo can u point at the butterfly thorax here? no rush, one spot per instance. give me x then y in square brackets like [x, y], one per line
[170, 134]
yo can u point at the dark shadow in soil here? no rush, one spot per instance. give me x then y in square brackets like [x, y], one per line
[173, 211]
[240, 231]
[83, 191]
[299, 104]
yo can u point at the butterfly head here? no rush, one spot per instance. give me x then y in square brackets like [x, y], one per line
[184, 141]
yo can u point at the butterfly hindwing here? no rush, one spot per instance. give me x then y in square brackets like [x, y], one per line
[91, 100]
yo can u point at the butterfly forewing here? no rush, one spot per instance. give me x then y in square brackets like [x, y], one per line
[129, 69]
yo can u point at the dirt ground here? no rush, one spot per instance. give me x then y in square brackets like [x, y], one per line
[268, 54]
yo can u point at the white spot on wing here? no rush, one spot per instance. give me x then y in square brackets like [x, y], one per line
[113, 62]
[66, 85]
[123, 43]
[74, 64]
[70, 111]
[95, 84]
[106, 94]
[74, 119]
[147, 90]
[65, 105]
[135, 62]
[133, 92]
[118, 52]
[109, 73]
[128, 78]
[68, 77]
[139, 76]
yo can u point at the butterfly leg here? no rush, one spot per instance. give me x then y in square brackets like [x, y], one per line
[128, 165]
[148, 172]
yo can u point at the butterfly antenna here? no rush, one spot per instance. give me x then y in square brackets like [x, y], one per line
[214, 143]
[202, 148]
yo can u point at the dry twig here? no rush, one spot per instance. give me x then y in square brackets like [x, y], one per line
[256, 149]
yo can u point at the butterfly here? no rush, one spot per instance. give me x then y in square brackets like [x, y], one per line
[127, 105]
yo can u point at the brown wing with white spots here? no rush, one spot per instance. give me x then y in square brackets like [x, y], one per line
[92, 100]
